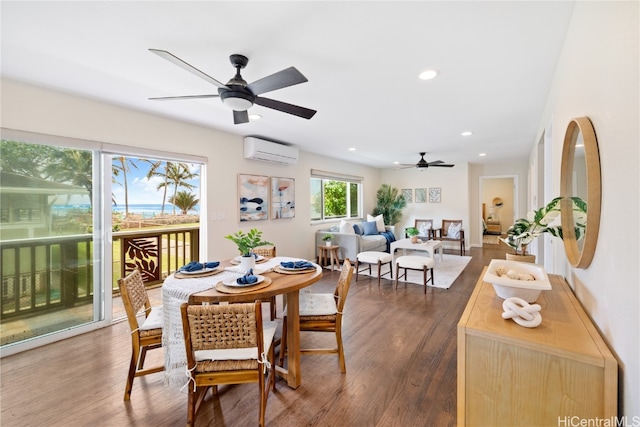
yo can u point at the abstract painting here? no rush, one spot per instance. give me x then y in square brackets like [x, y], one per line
[253, 196]
[283, 197]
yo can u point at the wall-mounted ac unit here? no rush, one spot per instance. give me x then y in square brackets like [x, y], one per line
[267, 151]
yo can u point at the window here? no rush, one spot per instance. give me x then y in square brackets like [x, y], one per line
[335, 196]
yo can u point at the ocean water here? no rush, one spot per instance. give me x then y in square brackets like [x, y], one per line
[146, 210]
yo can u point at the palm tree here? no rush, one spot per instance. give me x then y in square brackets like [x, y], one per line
[156, 171]
[184, 201]
[177, 175]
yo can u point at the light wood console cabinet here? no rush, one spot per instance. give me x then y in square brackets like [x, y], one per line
[509, 375]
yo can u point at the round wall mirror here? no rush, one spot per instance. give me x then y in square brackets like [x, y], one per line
[580, 189]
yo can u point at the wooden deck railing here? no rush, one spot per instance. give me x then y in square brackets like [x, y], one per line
[54, 273]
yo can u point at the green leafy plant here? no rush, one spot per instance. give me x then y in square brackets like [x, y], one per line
[412, 231]
[541, 221]
[246, 242]
[327, 237]
[390, 204]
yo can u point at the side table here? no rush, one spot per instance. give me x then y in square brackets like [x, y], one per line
[328, 253]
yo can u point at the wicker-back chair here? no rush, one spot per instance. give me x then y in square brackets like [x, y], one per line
[323, 313]
[227, 344]
[145, 335]
[268, 252]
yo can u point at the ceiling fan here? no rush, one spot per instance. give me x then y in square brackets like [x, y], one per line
[423, 164]
[240, 96]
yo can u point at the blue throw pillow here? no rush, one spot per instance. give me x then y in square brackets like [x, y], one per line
[370, 228]
[357, 229]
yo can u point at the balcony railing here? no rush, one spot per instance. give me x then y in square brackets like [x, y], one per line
[55, 273]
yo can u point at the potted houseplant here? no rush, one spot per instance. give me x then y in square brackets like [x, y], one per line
[412, 232]
[327, 238]
[390, 203]
[246, 242]
[541, 221]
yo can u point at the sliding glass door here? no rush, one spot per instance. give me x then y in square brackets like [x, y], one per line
[51, 240]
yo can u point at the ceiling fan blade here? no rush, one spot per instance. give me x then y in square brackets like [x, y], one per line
[441, 166]
[190, 68]
[240, 117]
[170, 98]
[435, 162]
[305, 113]
[285, 78]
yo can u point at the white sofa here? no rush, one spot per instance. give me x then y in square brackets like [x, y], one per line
[352, 244]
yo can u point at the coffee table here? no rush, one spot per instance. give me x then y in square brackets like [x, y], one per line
[430, 247]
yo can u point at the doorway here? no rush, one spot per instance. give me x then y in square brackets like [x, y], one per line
[498, 206]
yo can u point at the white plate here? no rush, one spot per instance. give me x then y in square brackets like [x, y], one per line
[203, 270]
[233, 284]
[239, 258]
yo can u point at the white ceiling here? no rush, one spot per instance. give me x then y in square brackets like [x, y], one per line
[496, 61]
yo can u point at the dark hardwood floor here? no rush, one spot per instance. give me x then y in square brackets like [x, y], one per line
[401, 370]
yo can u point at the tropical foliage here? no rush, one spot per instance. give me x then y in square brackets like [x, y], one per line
[545, 220]
[184, 201]
[390, 204]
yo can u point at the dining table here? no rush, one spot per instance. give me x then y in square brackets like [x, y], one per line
[208, 287]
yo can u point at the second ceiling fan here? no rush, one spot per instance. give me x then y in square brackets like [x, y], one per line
[423, 164]
[240, 96]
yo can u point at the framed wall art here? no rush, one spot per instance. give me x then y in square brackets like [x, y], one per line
[253, 197]
[421, 195]
[283, 197]
[407, 194]
[434, 195]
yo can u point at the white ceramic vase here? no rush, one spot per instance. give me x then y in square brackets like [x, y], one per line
[247, 262]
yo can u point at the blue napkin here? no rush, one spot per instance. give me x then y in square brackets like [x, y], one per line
[247, 279]
[297, 264]
[195, 266]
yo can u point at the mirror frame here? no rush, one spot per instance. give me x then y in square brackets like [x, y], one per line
[580, 258]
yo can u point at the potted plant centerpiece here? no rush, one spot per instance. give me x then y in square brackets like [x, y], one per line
[246, 243]
[541, 221]
[412, 232]
[327, 239]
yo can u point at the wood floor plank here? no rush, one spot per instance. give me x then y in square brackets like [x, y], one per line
[400, 348]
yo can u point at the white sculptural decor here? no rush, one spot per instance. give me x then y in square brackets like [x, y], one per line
[521, 312]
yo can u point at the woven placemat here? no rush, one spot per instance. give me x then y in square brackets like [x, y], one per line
[279, 269]
[221, 287]
[216, 270]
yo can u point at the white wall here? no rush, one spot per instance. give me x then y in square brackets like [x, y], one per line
[44, 111]
[598, 77]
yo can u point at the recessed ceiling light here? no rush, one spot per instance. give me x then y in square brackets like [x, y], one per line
[428, 74]
[482, 154]
[255, 116]
[396, 163]
[467, 133]
[352, 149]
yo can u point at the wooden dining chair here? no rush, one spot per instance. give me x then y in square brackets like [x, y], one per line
[268, 252]
[145, 335]
[227, 344]
[323, 313]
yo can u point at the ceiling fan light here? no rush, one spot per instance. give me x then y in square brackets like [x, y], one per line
[237, 101]
[428, 74]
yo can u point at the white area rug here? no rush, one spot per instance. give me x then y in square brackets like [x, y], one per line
[445, 272]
